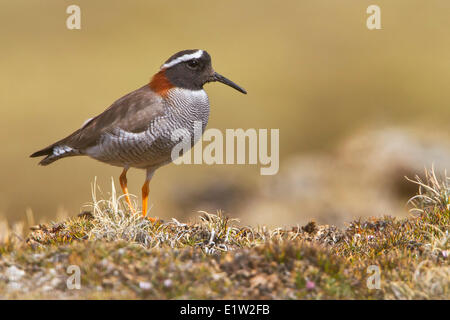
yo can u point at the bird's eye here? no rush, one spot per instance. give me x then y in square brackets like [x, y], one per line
[193, 64]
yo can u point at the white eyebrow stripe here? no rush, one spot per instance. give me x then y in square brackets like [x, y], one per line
[186, 57]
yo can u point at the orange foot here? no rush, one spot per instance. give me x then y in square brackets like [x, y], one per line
[123, 184]
[145, 192]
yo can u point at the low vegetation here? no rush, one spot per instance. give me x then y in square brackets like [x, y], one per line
[121, 255]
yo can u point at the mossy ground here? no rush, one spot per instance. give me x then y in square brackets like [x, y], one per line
[121, 255]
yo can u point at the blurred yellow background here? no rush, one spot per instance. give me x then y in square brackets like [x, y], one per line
[311, 69]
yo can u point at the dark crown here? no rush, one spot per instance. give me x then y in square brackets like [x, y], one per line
[191, 69]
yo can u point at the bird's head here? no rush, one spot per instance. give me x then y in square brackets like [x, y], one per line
[190, 69]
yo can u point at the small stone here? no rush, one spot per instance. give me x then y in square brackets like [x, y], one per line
[14, 274]
[55, 282]
[217, 276]
[144, 285]
[167, 283]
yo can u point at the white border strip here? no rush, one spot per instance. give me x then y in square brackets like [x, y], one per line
[186, 57]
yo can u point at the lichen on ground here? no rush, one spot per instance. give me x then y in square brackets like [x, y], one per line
[122, 255]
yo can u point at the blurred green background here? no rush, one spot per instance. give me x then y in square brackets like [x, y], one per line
[311, 69]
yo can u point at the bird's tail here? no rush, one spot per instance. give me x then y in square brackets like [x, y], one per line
[54, 152]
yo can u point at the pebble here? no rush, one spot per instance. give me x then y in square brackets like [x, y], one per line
[144, 285]
[14, 274]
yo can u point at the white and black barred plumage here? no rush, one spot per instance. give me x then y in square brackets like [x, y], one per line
[137, 130]
[128, 146]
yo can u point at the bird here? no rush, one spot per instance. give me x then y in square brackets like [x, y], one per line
[136, 130]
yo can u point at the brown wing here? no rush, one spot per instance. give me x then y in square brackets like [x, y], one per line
[133, 113]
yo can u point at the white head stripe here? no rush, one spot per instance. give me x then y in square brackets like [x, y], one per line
[186, 57]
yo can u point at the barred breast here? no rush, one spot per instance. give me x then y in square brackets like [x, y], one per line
[153, 147]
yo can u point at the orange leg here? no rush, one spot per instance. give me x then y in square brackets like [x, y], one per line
[123, 184]
[145, 192]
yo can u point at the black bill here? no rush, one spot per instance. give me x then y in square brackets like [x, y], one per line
[220, 78]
